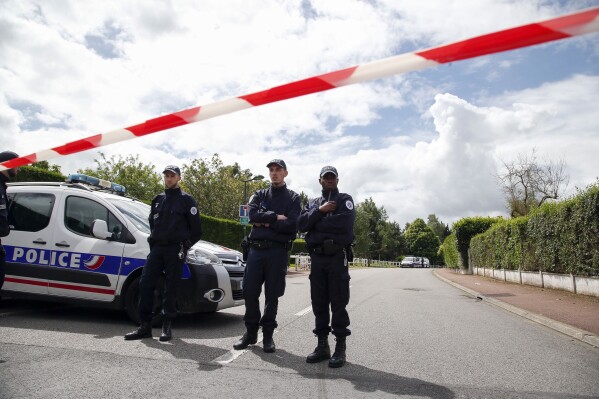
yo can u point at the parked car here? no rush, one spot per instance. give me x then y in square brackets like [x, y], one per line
[85, 241]
[414, 261]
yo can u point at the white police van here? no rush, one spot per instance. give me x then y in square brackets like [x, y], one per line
[83, 240]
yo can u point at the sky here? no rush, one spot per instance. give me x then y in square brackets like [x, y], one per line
[420, 143]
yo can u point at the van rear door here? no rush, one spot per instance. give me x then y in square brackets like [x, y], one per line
[28, 246]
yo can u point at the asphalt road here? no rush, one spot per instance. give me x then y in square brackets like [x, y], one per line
[413, 336]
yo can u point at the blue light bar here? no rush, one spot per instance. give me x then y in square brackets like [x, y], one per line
[94, 181]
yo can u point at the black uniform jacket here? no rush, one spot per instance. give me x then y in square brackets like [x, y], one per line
[337, 225]
[4, 227]
[175, 218]
[264, 207]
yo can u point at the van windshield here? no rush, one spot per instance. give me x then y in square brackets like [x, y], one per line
[136, 212]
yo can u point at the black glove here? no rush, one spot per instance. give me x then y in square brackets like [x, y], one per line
[150, 241]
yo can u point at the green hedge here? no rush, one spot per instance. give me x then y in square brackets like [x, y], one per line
[467, 228]
[449, 251]
[560, 237]
[299, 246]
[228, 233]
[31, 173]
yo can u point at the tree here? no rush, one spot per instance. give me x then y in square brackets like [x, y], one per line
[368, 228]
[218, 188]
[528, 183]
[421, 240]
[46, 166]
[393, 243]
[440, 229]
[141, 180]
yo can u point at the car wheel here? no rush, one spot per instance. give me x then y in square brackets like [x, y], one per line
[132, 301]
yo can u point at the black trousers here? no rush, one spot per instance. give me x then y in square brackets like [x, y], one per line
[2, 265]
[162, 259]
[329, 288]
[268, 267]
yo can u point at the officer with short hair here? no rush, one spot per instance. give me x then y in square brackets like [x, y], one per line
[5, 176]
[273, 214]
[329, 223]
[175, 226]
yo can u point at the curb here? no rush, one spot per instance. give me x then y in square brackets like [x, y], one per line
[574, 332]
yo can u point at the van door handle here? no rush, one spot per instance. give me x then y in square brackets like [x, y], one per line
[62, 244]
[39, 241]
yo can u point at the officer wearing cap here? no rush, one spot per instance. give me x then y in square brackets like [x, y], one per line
[5, 176]
[273, 214]
[174, 227]
[329, 223]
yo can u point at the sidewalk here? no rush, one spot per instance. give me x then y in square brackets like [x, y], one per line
[574, 315]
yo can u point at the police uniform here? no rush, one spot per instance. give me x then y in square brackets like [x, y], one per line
[268, 258]
[329, 238]
[175, 226]
[4, 206]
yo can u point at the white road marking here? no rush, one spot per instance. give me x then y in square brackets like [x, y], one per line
[304, 311]
[233, 354]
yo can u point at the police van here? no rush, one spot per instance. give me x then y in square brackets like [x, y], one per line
[83, 240]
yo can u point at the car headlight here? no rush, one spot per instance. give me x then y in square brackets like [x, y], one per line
[201, 257]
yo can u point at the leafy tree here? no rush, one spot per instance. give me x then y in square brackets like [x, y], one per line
[141, 180]
[46, 166]
[421, 240]
[527, 183]
[368, 228]
[393, 243]
[219, 188]
[440, 229]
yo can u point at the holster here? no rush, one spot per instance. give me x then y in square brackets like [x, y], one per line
[245, 248]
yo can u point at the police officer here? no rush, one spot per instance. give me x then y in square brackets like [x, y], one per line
[5, 176]
[273, 214]
[329, 223]
[175, 226]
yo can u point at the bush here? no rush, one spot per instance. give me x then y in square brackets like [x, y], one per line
[560, 237]
[31, 173]
[449, 252]
[467, 228]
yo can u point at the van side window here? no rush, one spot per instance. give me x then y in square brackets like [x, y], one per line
[81, 212]
[30, 211]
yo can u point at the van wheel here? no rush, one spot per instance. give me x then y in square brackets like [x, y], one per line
[132, 300]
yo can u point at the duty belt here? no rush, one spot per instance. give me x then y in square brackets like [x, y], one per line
[326, 249]
[265, 244]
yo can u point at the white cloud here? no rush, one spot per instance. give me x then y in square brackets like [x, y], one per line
[162, 57]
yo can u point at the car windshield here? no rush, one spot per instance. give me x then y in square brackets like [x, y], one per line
[136, 212]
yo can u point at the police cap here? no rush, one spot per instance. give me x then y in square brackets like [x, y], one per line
[7, 156]
[172, 168]
[328, 169]
[279, 162]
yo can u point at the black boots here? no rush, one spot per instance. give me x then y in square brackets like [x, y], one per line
[268, 344]
[322, 351]
[144, 331]
[167, 332]
[338, 358]
[249, 338]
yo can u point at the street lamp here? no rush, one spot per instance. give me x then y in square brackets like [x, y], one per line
[245, 192]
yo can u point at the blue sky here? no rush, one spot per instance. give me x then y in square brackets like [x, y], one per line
[419, 143]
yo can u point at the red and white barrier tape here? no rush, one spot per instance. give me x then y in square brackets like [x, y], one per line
[527, 35]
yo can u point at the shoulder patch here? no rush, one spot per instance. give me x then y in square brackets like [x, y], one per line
[349, 205]
[193, 210]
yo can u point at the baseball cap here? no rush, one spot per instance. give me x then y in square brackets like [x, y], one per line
[172, 168]
[8, 155]
[328, 169]
[279, 162]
